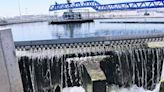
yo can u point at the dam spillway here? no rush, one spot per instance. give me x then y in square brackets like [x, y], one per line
[92, 63]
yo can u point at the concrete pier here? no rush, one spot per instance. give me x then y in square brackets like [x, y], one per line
[10, 79]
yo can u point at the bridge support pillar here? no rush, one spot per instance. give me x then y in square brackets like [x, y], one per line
[10, 79]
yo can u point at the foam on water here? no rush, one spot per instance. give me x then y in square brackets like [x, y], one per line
[134, 88]
[73, 89]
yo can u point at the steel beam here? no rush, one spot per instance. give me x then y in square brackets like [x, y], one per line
[109, 7]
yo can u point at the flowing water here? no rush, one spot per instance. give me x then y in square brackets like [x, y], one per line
[77, 70]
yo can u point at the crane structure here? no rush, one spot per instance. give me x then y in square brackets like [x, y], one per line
[109, 7]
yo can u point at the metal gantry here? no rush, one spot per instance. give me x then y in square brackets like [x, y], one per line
[109, 7]
[83, 4]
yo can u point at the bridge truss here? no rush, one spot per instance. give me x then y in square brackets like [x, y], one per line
[109, 7]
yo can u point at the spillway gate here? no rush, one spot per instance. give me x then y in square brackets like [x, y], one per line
[94, 63]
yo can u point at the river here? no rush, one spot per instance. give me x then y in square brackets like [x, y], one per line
[43, 31]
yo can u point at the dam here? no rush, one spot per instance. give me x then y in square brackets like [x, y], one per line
[108, 57]
[95, 63]
[106, 47]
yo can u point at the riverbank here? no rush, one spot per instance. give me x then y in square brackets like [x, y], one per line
[24, 19]
[130, 17]
[136, 20]
[21, 22]
[141, 19]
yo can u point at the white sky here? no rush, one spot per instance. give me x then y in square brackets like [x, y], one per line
[10, 8]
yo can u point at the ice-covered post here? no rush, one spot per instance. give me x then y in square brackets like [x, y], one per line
[10, 79]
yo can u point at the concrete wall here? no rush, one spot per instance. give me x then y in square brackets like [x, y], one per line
[10, 79]
[162, 80]
[162, 76]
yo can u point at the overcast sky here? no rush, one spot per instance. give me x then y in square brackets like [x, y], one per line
[11, 7]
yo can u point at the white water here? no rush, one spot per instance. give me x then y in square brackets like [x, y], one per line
[134, 88]
[73, 89]
[114, 89]
[162, 76]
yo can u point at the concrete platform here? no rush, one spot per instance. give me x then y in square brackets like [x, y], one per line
[135, 22]
[162, 80]
[10, 79]
[71, 21]
[162, 87]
